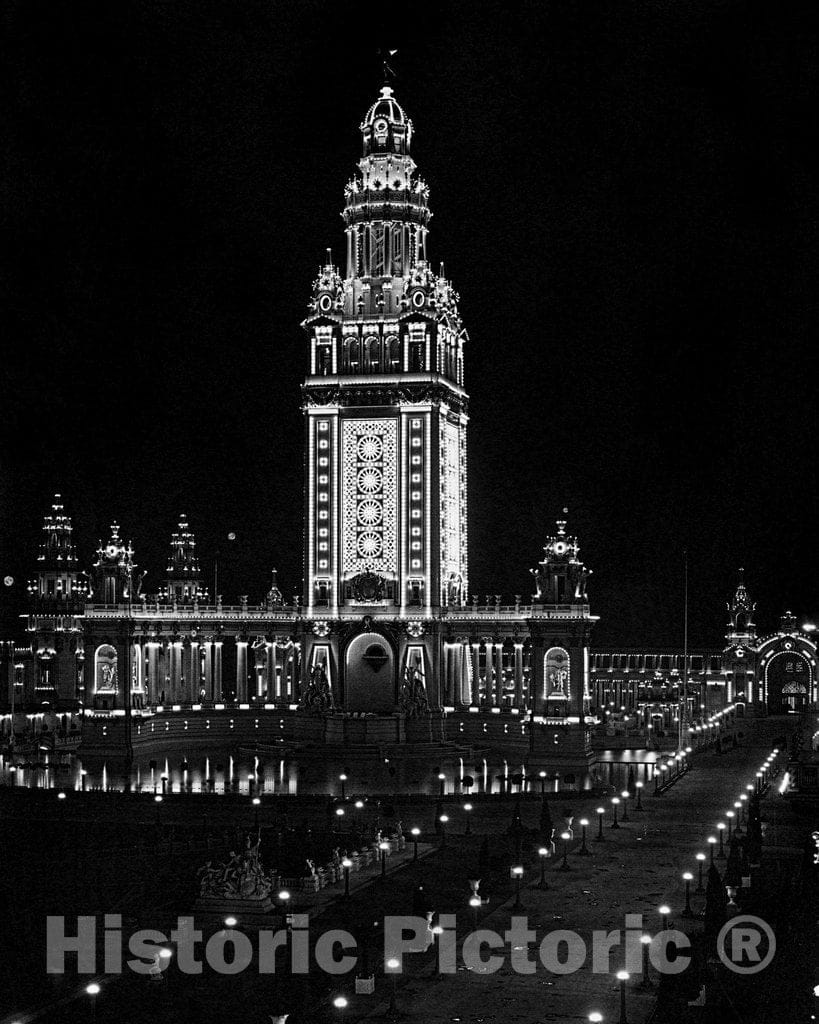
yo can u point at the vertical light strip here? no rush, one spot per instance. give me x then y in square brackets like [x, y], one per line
[405, 524]
[427, 509]
[333, 530]
[311, 498]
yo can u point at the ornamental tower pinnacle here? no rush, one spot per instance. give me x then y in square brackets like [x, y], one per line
[183, 576]
[59, 582]
[741, 627]
[384, 403]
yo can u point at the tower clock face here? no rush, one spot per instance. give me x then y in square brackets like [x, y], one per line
[380, 127]
[560, 548]
[418, 299]
[324, 303]
[111, 551]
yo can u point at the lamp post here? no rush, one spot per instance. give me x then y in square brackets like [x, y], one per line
[646, 982]
[600, 837]
[256, 801]
[93, 990]
[730, 816]
[340, 1004]
[444, 818]
[721, 828]
[622, 977]
[639, 787]
[164, 784]
[688, 878]
[392, 966]
[664, 911]
[542, 776]
[475, 903]
[595, 1017]
[441, 783]
[517, 874]
[615, 800]
[437, 932]
[415, 832]
[343, 780]
[467, 809]
[383, 847]
[625, 795]
[565, 865]
[346, 864]
[543, 853]
[712, 842]
[701, 862]
[251, 780]
[584, 850]
[737, 809]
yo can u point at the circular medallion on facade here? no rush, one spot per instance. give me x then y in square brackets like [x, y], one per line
[369, 480]
[369, 545]
[369, 512]
[325, 303]
[369, 448]
[418, 299]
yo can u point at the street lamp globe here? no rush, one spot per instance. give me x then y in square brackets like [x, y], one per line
[393, 964]
[340, 1002]
[93, 989]
[415, 832]
[623, 975]
[595, 1017]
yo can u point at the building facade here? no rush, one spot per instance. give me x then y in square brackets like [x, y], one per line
[386, 632]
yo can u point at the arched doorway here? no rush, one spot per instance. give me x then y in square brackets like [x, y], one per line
[788, 682]
[369, 675]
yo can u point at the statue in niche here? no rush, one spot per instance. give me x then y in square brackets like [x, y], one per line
[413, 692]
[318, 696]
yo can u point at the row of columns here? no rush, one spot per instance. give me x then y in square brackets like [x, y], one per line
[176, 672]
[466, 662]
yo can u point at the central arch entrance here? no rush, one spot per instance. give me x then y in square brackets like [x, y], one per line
[369, 676]
[789, 682]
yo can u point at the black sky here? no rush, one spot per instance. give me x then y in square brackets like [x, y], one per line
[624, 194]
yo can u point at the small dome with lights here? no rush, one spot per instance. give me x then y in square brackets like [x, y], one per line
[385, 107]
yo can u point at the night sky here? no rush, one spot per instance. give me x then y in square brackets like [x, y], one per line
[624, 194]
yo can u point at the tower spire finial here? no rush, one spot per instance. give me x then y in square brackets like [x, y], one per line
[388, 72]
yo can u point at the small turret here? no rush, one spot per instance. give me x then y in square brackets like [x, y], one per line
[115, 580]
[183, 582]
[741, 628]
[58, 583]
[561, 577]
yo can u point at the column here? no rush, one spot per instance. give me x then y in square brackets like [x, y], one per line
[176, 669]
[241, 671]
[499, 675]
[217, 670]
[195, 681]
[536, 699]
[461, 681]
[208, 670]
[490, 689]
[476, 675]
[152, 682]
[518, 675]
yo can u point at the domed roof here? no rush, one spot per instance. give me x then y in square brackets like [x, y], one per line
[387, 107]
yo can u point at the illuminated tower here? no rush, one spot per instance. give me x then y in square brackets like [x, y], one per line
[183, 582]
[59, 585]
[115, 579]
[384, 402]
